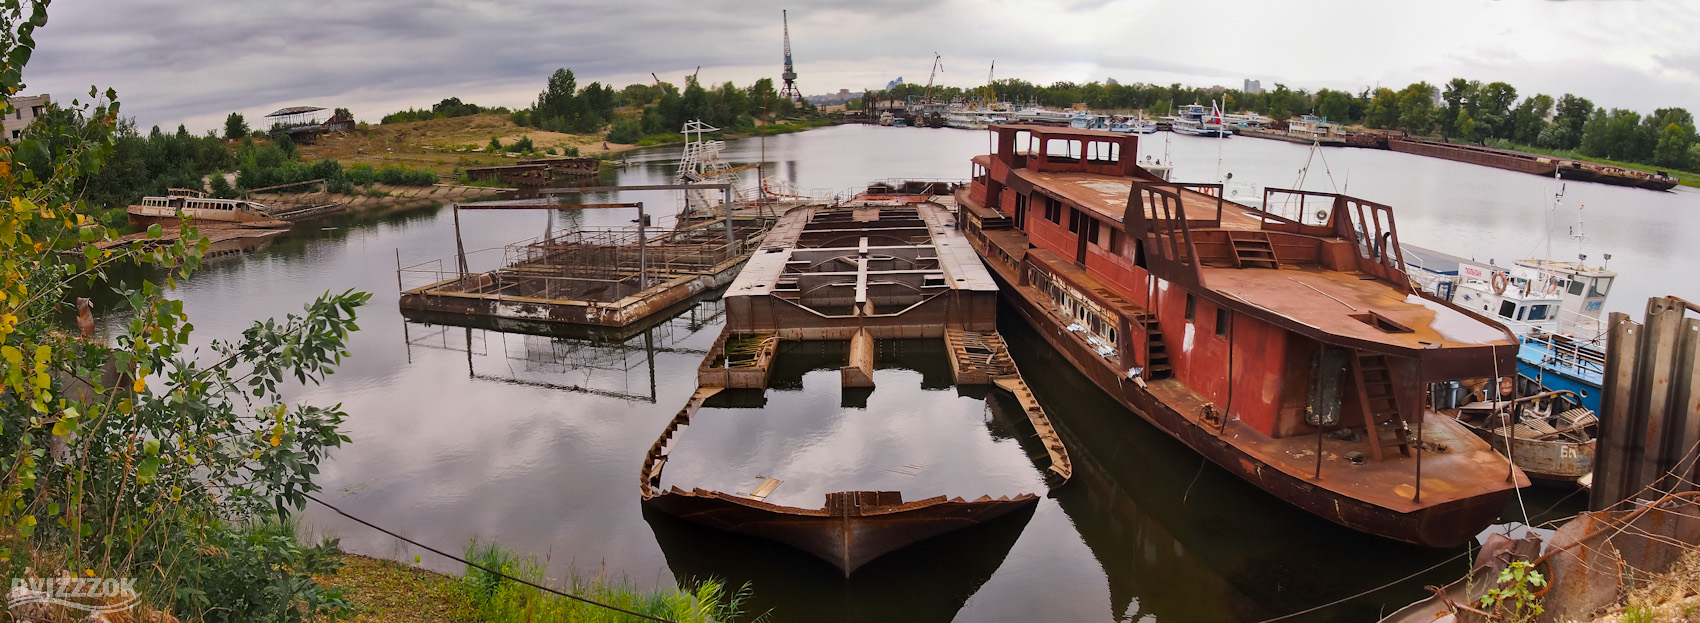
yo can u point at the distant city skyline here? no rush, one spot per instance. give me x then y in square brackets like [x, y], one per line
[178, 62]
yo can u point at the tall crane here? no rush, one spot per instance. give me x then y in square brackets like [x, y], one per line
[938, 66]
[790, 74]
[990, 97]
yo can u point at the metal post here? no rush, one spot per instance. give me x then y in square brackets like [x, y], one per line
[726, 203]
[643, 258]
[1318, 446]
[398, 285]
[460, 247]
[1418, 497]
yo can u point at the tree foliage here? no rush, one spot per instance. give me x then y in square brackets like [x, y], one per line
[132, 455]
[235, 127]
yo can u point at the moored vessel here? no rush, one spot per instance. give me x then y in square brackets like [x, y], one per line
[204, 211]
[866, 292]
[1284, 345]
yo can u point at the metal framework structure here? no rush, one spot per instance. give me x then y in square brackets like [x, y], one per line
[789, 76]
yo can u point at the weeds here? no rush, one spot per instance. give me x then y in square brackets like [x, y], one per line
[501, 601]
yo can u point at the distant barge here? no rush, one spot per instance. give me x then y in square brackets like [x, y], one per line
[1535, 164]
[1286, 347]
[895, 279]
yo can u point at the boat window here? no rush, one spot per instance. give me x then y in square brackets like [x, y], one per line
[1520, 311]
[1506, 308]
[1115, 241]
[1537, 312]
[1576, 287]
[1062, 149]
[1074, 218]
[1102, 152]
[1093, 229]
[1191, 306]
[1053, 210]
[1222, 322]
[1602, 285]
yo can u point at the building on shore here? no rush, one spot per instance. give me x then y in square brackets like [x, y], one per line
[1252, 87]
[21, 111]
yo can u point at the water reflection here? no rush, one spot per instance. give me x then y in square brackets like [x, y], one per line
[1180, 539]
[575, 358]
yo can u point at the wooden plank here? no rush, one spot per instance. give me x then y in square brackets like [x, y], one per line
[765, 489]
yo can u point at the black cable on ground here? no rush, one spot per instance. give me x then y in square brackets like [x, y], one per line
[1349, 598]
[482, 567]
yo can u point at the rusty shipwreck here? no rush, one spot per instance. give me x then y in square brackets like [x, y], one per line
[879, 291]
[1283, 343]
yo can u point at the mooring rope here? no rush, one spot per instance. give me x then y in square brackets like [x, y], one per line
[482, 567]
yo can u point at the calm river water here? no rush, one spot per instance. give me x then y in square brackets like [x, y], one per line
[535, 442]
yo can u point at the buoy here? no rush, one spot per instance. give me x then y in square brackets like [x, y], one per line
[1499, 283]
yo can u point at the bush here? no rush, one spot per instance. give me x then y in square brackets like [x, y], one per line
[398, 176]
[520, 117]
[523, 145]
[263, 574]
[361, 175]
[626, 131]
[495, 144]
[221, 188]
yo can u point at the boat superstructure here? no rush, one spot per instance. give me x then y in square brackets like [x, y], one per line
[1286, 346]
[858, 289]
[203, 210]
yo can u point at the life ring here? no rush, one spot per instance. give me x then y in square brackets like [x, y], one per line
[1499, 283]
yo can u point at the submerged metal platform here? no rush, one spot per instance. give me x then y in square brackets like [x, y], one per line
[895, 271]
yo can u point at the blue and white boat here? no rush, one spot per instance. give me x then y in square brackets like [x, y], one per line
[1554, 308]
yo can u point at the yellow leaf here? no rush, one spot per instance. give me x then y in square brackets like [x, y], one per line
[141, 384]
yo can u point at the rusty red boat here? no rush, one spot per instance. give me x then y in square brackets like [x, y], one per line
[1283, 343]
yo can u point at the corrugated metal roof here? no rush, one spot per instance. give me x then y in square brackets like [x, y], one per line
[294, 110]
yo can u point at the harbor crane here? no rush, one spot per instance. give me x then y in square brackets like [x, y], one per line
[789, 76]
[938, 66]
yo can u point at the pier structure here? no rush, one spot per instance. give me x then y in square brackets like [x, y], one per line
[609, 277]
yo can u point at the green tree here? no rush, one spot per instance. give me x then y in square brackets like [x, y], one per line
[1334, 105]
[235, 127]
[1492, 110]
[1673, 147]
[1457, 94]
[1571, 114]
[1280, 103]
[1529, 120]
[131, 455]
[1465, 128]
[1383, 109]
[1416, 108]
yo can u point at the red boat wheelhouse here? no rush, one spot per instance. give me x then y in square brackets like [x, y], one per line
[1284, 343]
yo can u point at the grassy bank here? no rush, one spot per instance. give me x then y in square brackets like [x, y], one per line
[385, 591]
[782, 127]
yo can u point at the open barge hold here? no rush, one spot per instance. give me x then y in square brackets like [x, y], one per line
[1287, 346]
[865, 293]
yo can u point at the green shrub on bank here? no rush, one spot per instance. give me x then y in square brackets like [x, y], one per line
[499, 600]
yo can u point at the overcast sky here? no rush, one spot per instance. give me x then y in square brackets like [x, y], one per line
[193, 61]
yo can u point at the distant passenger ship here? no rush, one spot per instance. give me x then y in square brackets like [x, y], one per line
[204, 211]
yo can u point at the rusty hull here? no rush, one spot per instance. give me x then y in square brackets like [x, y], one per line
[1445, 524]
[853, 528]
